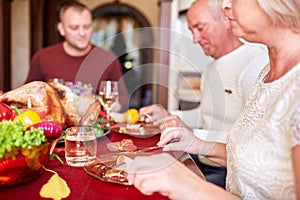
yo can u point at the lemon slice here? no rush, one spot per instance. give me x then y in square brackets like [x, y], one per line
[132, 116]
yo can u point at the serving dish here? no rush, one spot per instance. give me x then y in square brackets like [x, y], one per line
[140, 130]
[22, 169]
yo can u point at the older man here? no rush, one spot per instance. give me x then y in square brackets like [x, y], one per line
[227, 80]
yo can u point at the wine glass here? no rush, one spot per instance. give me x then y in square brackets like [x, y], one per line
[108, 96]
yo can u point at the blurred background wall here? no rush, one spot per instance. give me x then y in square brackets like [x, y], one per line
[33, 26]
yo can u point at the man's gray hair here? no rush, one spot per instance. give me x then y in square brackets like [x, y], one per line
[215, 7]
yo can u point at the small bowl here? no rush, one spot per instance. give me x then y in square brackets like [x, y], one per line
[22, 169]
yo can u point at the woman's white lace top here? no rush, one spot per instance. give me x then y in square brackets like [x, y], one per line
[259, 145]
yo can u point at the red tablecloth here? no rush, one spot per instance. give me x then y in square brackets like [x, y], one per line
[82, 185]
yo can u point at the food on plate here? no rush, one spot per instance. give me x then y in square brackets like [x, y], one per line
[142, 130]
[123, 145]
[104, 119]
[132, 116]
[129, 123]
[128, 128]
[118, 117]
[100, 129]
[59, 102]
[133, 126]
[123, 162]
[111, 173]
[116, 175]
[103, 172]
[121, 159]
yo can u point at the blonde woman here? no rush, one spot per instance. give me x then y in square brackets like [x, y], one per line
[262, 153]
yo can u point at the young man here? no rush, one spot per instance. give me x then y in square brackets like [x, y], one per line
[76, 59]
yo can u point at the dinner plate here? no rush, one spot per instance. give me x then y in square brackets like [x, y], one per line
[102, 165]
[141, 130]
[98, 167]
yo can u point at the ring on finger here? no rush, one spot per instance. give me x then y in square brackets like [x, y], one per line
[148, 116]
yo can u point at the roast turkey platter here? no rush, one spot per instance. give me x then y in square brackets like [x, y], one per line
[57, 101]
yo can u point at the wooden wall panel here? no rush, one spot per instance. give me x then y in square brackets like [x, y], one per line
[5, 40]
[163, 53]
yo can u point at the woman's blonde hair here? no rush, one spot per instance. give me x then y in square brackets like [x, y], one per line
[286, 12]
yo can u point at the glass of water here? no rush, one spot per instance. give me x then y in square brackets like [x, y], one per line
[80, 145]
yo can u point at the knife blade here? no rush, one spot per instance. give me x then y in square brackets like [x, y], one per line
[147, 149]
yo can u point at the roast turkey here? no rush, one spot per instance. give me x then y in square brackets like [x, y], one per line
[59, 102]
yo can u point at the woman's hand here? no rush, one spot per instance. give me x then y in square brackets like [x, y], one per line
[164, 174]
[150, 114]
[179, 139]
[172, 121]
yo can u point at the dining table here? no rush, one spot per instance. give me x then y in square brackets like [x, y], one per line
[82, 185]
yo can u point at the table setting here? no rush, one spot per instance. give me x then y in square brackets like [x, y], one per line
[81, 160]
